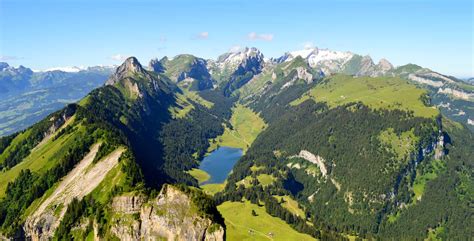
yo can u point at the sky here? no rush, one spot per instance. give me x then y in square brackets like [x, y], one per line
[52, 33]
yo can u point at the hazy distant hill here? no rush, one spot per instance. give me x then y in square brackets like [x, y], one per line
[26, 96]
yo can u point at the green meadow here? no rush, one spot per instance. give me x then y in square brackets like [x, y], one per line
[199, 174]
[43, 158]
[246, 125]
[378, 93]
[242, 225]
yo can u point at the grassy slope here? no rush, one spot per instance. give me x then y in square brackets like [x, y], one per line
[41, 159]
[199, 174]
[213, 188]
[246, 127]
[380, 92]
[194, 96]
[420, 181]
[115, 177]
[239, 222]
[185, 105]
[265, 179]
[269, 76]
[178, 64]
[291, 205]
[255, 84]
[13, 144]
[401, 145]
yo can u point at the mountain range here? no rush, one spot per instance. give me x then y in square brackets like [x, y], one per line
[27, 96]
[334, 147]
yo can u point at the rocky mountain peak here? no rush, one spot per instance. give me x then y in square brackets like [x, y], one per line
[239, 56]
[20, 70]
[3, 66]
[367, 60]
[384, 65]
[189, 69]
[156, 66]
[329, 61]
[131, 64]
[129, 67]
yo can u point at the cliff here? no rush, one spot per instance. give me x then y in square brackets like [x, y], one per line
[171, 216]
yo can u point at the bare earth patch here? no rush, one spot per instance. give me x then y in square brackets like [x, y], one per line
[82, 180]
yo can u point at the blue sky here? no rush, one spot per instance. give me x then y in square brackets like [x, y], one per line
[44, 34]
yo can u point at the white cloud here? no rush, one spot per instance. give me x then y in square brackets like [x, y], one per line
[71, 69]
[202, 35]
[262, 36]
[308, 45]
[119, 57]
[9, 58]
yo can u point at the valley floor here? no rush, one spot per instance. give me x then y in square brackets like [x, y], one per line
[246, 125]
[242, 225]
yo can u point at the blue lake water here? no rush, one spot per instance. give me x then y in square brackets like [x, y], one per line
[219, 163]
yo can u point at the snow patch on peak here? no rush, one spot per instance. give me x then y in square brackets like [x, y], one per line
[238, 56]
[316, 56]
[304, 53]
[69, 69]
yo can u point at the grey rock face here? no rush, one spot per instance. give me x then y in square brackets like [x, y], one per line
[366, 66]
[169, 216]
[240, 67]
[128, 68]
[156, 66]
[384, 65]
[199, 72]
[302, 73]
[14, 79]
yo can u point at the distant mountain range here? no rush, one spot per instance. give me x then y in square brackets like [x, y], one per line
[51, 89]
[27, 96]
[334, 147]
[453, 96]
[21, 79]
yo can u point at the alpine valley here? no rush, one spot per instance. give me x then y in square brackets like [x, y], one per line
[330, 146]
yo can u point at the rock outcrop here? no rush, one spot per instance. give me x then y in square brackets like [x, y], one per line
[130, 67]
[187, 68]
[155, 65]
[170, 216]
[238, 68]
[457, 94]
[315, 159]
[384, 65]
[247, 58]
[137, 83]
[303, 74]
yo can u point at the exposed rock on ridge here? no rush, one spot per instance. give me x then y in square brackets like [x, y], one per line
[156, 66]
[127, 69]
[169, 216]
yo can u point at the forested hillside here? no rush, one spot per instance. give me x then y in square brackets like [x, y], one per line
[359, 160]
[130, 117]
[326, 156]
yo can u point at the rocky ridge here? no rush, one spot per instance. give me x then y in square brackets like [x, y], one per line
[169, 216]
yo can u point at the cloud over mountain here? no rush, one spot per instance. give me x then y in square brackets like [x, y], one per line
[262, 36]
